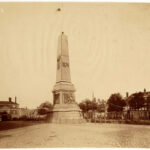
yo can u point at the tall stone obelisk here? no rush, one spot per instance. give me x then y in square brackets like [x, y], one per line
[65, 108]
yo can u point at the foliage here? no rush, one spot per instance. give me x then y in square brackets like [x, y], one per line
[137, 100]
[86, 105]
[101, 107]
[93, 105]
[115, 103]
[44, 108]
[148, 102]
[24, 117]
[5, 116]
[42, 111]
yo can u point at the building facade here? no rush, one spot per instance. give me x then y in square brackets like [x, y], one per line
[9, 108]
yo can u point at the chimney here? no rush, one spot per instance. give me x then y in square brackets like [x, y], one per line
[144, 90]
[9, 99]
[15, 99]
[127, 94]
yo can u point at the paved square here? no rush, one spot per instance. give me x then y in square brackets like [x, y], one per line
[76, 135]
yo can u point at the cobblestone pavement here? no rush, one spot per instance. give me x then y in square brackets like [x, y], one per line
[77, 135]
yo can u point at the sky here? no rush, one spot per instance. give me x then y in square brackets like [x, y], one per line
[109, 49]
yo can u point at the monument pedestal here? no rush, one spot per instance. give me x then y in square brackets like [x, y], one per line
[67, 113]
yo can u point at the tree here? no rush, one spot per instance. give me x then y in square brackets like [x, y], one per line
[83, 107]
[137, 100]
[44, 108]
[86, 105]
[148, 102]
[101, 107]
[115, 103]
[94, 105]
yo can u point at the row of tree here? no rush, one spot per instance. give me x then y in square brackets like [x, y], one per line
[117, 103]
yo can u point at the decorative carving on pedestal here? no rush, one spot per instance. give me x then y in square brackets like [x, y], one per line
[68, 98]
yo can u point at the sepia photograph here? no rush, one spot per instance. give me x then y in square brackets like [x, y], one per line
[74, 74]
